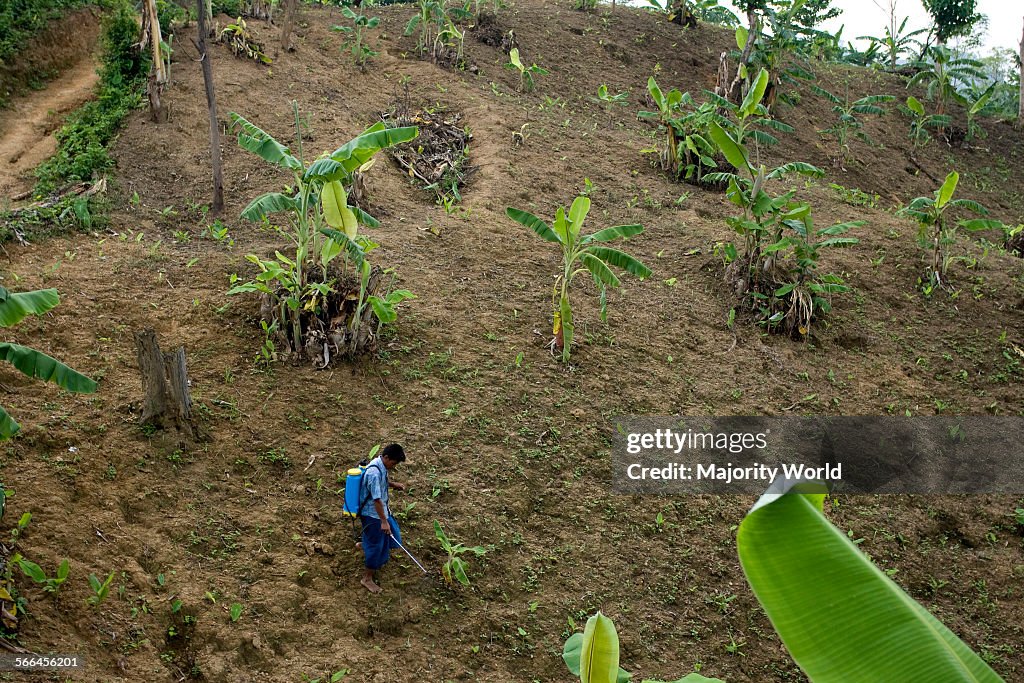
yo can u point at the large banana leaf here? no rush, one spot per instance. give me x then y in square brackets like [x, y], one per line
[755, 94]
[361, 148]
[38, 365]
[947, 189]
[842, 619]
[14, 307]
[578, 214]
[336, 209]
[261, 143]
[325, 169]
[599, 655]
[733, 151]
[599, 270]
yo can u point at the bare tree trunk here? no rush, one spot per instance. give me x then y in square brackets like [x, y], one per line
[168, 404]
[260, 9]
[157, 74]
[286, 26]
[211, 104]
[1020, 114]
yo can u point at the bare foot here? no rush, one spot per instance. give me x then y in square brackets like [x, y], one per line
[359, 545]
[371, 586]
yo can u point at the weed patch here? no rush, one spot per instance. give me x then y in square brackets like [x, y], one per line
[84, 137]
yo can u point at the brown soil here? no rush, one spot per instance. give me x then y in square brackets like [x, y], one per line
[27, 125]
[512, 456]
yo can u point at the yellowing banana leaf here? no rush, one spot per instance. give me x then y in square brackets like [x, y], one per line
[513, 58]
[334, 202]
[947, 189]
[842, 619]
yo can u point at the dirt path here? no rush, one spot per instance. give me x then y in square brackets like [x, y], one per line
[26, 129]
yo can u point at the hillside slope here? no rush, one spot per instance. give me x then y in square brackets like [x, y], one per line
[513, 455]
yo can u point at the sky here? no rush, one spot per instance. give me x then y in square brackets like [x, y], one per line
[864, 18]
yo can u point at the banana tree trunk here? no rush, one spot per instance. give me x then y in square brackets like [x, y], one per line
[157, 75]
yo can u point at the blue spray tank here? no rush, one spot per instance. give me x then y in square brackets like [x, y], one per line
[354, 485]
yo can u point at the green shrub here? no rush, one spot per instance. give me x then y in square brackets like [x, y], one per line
[83, 139]
[20, 20]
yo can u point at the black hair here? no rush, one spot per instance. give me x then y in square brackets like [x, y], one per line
[393, 452]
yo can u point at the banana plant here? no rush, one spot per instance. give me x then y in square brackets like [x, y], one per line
[921, 121]
[897, 43]
[429, 14]
[526, 73]
[973, 129]
[669, 112]
[605, 96]
[356, 40]
[320, 223]
[942, 72]
[15, 307]
[581, 253]
[454, 567]
[937, 231]
[448, 40]
[594, 655]
[748, 114]
[781, 248]
[847, 122]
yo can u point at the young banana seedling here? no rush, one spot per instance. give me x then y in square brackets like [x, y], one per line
[526, 73]
[938, 231]
[356, 38]
[581, 253]
[921, 121]
[847, 123]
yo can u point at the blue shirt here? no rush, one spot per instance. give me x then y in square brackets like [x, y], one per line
[375, 487]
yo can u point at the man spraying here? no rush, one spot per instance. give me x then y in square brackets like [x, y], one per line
[380, 530]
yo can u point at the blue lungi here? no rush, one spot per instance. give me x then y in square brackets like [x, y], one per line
[376, 544]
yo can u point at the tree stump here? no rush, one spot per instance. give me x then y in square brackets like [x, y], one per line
[168, 404]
